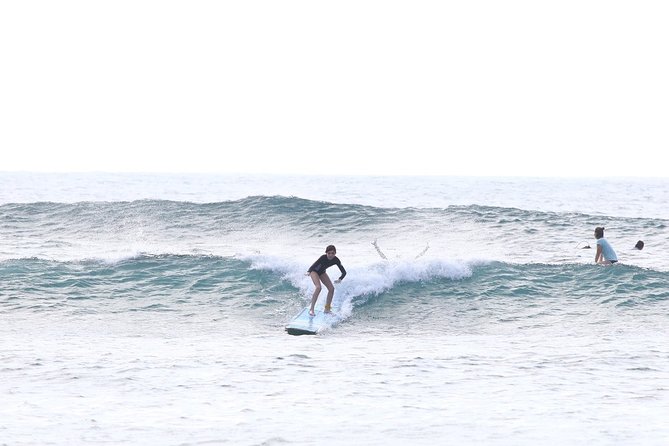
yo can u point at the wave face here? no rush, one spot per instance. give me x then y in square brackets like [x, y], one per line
[249, 256]
[395, 292]
[299, 229]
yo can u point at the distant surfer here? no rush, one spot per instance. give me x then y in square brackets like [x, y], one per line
[318, 275]
[605, 254]
[384, 257]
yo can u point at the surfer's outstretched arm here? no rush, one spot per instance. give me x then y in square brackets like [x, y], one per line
[376, 246]
[427, 246]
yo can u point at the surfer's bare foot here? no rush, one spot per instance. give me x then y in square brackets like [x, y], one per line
[312, 313]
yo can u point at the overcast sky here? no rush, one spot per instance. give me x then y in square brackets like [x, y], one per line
[535, 88]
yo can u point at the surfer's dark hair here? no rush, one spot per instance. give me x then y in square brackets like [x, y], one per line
[639, 245]
[599, 232]
[331, 248]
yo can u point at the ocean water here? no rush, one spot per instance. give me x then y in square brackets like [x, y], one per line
[145, 309]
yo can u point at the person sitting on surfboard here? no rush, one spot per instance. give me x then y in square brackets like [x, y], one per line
[605, 254]
[318, 275]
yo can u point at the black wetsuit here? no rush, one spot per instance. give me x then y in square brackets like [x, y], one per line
[324, 263]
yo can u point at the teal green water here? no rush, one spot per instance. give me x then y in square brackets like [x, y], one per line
[188, 284]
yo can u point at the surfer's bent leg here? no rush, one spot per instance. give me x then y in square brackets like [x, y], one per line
[317, 291]
[328, 284]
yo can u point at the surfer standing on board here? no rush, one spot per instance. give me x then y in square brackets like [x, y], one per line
[318, 275]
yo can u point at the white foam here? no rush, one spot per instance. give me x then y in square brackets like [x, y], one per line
[363, 280]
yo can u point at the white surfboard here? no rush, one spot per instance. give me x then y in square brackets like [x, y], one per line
[305, 324]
